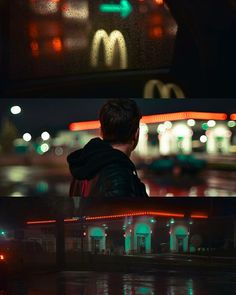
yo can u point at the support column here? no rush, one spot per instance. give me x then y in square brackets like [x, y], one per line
[132, 237]
[60, 243]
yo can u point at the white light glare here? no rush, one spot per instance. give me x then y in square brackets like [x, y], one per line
[203, 139]
[15, 110]
[168, 125]
[211, 123]
[191, 122]
[45, 135]
[231, 124]
[44, 147]
[27, 137]
[161, 128]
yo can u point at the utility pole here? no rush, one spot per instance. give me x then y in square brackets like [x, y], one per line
[60, 243]
[60, 234]
[210, 228]
[82, 234]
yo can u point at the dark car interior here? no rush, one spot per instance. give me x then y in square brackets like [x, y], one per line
[156, 49]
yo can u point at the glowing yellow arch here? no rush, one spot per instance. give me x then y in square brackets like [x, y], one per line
[109, 42]
[163, 89]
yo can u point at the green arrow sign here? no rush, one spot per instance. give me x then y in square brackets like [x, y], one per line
[124, 8]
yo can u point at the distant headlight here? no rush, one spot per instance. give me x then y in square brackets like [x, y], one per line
[2, 257]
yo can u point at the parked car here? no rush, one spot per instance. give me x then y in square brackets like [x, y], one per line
[178, 164]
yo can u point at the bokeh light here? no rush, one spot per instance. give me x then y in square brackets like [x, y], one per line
[27, 137]
[45, 136]
[203, 138]
[15, 110]
[231, 124]
[211, 123]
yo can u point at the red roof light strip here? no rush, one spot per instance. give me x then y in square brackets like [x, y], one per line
[143, 213]
[87, 125]
[41, 221]
[71, 219]
[233, 117]
[183, 116]
[166, 214]
[199, 216]
[135, 214]
[152, 119]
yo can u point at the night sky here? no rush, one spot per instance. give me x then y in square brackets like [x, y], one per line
[56, 114]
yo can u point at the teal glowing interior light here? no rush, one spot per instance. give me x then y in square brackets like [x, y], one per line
[143, 232]
[172, 221]
[190, 287]
[127, 243]
[42, 187]
[38, 149]
[144, 290]
[205, 126]
[97, 232]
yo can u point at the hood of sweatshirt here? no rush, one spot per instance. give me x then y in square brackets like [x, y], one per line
[96, 154]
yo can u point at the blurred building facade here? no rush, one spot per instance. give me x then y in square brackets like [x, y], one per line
[136, 235]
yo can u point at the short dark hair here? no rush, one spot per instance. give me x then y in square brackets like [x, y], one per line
[119, 120]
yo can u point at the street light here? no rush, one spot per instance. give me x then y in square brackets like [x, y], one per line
[203, 139]
[231, 124]
[15, 110]
[45, 136]
[191, 123]
[27, 137]
[211, 123]
[44, 148]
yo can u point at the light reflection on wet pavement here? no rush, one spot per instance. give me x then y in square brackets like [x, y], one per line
[45, 181]
[94, 283]
[209, 183]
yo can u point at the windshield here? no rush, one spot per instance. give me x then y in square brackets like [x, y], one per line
[55, 38]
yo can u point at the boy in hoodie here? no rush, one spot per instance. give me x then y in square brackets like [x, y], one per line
[103, 169]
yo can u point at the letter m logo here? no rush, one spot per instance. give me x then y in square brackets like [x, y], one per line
[109, 42]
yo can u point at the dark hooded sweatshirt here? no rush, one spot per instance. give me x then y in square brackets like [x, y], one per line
[99, 171]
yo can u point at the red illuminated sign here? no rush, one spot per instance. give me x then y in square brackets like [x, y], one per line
[128, 214]
[233, 117]
[199, 216]
[89, 125]
[41, 221]
[152, 119]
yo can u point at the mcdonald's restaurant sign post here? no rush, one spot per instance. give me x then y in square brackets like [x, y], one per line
[124, 8]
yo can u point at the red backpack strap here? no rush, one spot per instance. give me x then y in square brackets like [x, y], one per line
[79, 188]
[84, 188]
